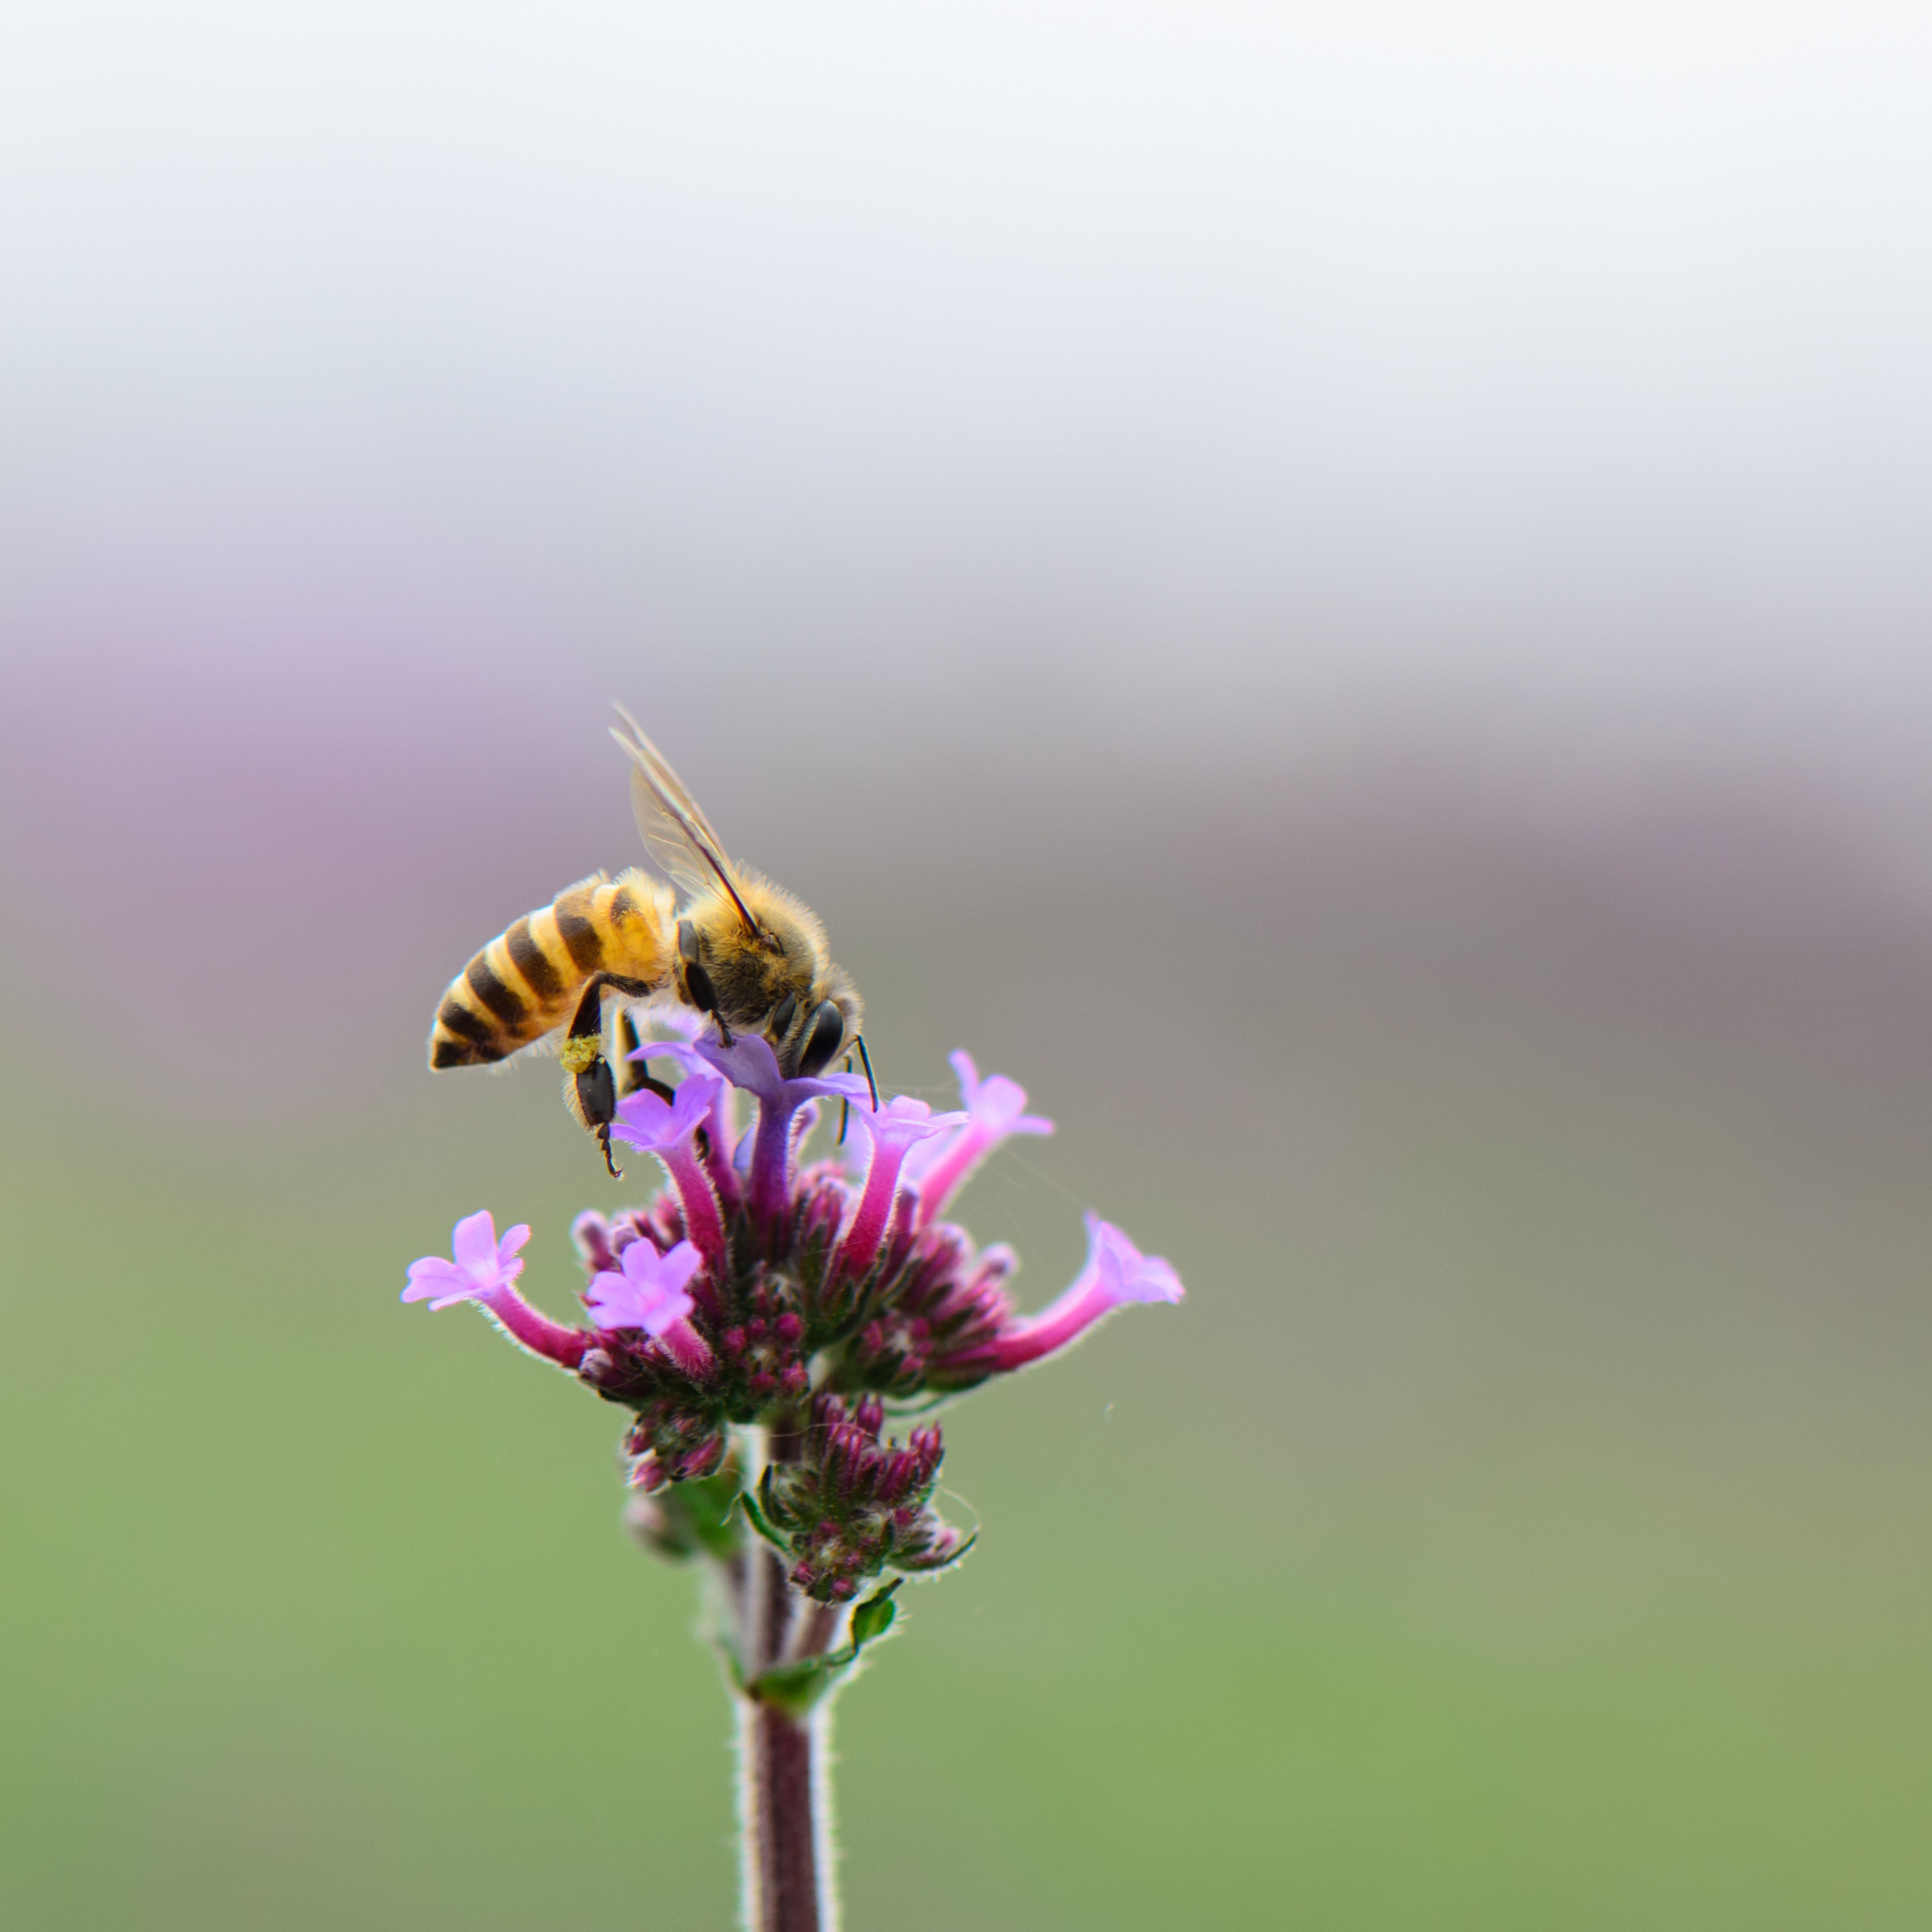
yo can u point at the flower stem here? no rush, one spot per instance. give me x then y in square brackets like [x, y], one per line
[784, 1801]
[784, 1778]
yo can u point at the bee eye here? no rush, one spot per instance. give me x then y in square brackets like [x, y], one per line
[697, 985]
[783, 1014]
[828, 1029]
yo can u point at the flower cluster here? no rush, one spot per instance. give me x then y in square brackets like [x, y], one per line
[802, 1298]
[851, 1505]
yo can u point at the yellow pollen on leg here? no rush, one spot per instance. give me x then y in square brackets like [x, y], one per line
[580, 1053]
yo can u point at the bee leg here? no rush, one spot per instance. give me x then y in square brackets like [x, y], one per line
[698, 991]
[629, 1041]
[634, 1075]
[590, 1088]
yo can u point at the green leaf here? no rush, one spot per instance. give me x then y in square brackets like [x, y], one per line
[762, 1523]
[919, 1568]
[874, 1617]
[708, 1505]
[793, 1688]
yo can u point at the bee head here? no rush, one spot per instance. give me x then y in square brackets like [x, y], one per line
[779, 982]
[808, 1035]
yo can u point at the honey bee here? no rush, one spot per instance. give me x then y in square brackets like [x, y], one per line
[741, 949]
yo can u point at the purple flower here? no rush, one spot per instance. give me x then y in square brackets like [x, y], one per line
[995, 1110]
[1116, 1272]
[665, 1128]
[681, 1023]
[483, 1264]
[648, 1291]
[749, 1062]
[899, 1126]
[485, 1270]
[798, 1300]
[721, 1129]
[649, 1122]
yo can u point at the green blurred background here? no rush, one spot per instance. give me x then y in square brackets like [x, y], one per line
[1342, 596]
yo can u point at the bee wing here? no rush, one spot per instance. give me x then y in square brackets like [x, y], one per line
[675, 830]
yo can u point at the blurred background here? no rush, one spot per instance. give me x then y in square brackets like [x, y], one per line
[1342, 591]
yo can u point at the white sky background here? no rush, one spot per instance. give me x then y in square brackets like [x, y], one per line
[1224, 376]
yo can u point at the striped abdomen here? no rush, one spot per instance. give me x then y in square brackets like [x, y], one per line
[525, 982]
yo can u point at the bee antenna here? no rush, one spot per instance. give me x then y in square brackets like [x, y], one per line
[866, 1060]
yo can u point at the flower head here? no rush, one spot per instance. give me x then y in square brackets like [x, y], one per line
[798, 1299]
[749, 1063]
[665, 1128]
[1125, 1273]
[484, 1266]
[903, 1122]
[720, 1124]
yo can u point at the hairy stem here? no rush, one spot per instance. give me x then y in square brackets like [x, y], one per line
[784, 1789]
[784, 1801]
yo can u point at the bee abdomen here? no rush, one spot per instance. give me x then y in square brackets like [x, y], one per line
[622, 927]
[497, 1004]
[525, 983]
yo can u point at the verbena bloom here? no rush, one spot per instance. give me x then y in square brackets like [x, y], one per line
[650, 1121]
[485, 1270]
[1116, 1273]
[894, 1130]
[749, 1062]
[795, 1301]
[646, 1290]
[483, 1266]
[668, 1129]
[720, 1124]
[681, 1023]
[995, 1110]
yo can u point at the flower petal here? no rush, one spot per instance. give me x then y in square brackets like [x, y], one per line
[648, 1121]
[749, 1063]
[650, 1293]
[474, 1244]
[1127, 1274]
[676, 1270]
[433, 1275]
[614, 1301]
